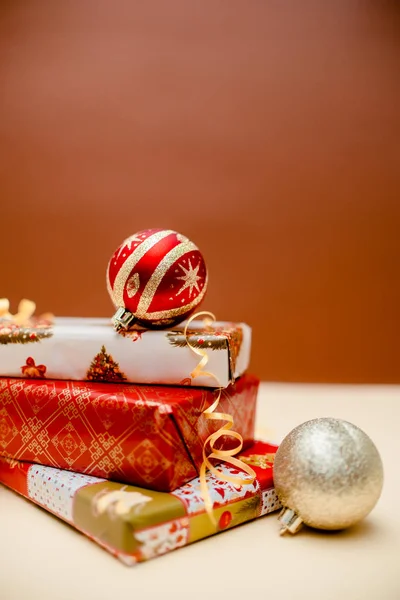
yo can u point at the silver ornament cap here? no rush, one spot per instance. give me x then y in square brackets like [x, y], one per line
[328, 474]
[122, 319]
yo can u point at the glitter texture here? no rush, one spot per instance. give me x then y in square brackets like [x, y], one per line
[329, 472]
[158, 277]
[159, 272]
[173, 312]
[117, 292]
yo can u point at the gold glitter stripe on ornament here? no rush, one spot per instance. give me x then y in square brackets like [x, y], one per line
[175, 312]
[131, 262]
[166, 263]
[226, 456]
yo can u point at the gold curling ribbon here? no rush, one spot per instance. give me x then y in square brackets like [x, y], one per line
[227, 456]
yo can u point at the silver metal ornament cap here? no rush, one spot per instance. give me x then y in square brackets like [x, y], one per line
[290, 521]
[123, 319]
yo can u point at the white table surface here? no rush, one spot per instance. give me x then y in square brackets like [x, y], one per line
[43, 558]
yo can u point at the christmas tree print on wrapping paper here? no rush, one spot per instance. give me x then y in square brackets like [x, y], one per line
[211, 338]
[104, 368]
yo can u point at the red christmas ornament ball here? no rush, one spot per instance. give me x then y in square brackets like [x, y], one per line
[156, 278]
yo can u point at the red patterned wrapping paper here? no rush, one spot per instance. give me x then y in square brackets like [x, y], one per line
[137, 524]
[151, 436]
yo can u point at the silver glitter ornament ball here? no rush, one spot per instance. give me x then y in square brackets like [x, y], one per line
[327, 474]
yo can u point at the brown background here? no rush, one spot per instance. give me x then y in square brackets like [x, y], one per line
[268, 132]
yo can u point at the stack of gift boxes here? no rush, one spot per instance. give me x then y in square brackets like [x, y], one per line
[106, 430]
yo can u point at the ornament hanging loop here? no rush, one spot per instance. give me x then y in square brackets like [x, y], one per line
[123, 319]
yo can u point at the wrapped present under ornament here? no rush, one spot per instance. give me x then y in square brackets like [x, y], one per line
[136, 524]
[151, 436]
[89, 349]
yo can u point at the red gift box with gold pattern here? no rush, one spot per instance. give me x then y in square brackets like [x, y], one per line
[150, 436]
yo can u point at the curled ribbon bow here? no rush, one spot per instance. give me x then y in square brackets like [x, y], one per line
[227, 456]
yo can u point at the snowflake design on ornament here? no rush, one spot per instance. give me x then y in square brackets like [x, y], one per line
[127, 244]
[190, 279]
